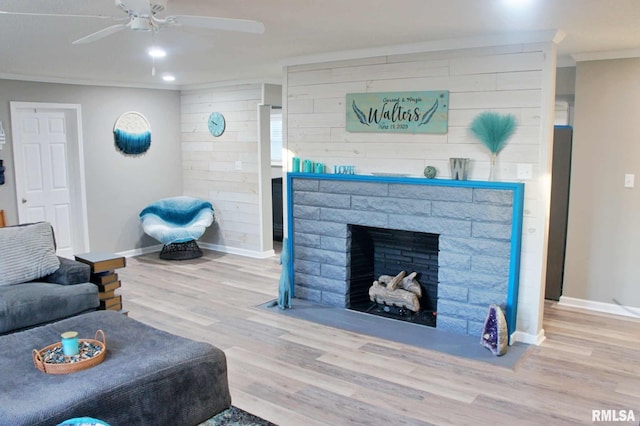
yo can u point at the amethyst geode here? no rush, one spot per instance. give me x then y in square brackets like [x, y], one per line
[494, 333]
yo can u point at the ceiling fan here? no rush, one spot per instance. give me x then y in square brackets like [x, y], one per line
[142, 17]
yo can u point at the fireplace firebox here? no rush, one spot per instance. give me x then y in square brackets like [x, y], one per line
[376, 252]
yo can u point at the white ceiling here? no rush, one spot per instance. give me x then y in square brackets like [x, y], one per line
[39, 48]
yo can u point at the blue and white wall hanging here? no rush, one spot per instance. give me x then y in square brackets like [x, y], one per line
[132, 133]
[398, 112]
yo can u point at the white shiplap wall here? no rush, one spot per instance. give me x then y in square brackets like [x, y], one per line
[516, 79]
[209, 164]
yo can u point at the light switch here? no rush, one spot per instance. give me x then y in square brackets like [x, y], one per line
[629, 180]
[238, 165]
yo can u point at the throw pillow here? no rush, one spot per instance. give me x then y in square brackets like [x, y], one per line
[27, 253]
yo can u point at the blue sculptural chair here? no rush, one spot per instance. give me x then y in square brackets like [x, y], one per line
[177, 222]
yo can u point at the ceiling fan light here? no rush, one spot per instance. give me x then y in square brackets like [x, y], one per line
[140, 23]
[168, 77]
[157, 52]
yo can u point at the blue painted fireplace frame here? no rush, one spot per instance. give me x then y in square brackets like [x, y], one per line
[517, 206]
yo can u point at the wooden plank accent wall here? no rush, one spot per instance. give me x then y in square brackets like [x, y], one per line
[512, 79]
[492, 79]
[209, 163]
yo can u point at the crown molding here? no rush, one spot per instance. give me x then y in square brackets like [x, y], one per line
[55, 80]
[547, 36]
[186, 87]
[565, 61]
[606, 55]
[227, 83]
[559, 36]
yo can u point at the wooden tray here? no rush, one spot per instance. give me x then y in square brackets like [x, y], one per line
[70, 367]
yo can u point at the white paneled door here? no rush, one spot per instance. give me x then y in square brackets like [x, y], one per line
[45, 153]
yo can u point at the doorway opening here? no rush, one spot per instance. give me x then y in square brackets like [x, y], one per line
[559, 211]
[276, 172]
[270, 164]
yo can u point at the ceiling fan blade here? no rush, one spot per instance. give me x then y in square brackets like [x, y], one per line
[142, 7]
[214, 23]
[4, 12]
[101, 34]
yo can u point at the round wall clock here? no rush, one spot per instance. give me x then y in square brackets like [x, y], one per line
[216, 124]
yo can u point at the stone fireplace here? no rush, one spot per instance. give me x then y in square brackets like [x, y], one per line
[476, 227]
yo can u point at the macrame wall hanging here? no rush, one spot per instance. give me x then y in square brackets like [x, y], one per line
[132, 133]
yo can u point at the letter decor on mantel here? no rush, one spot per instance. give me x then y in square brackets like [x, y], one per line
[398, 112]
[132, 133]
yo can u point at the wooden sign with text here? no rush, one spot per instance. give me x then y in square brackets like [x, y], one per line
[398, 112]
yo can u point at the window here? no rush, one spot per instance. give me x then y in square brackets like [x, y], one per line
[276, 136]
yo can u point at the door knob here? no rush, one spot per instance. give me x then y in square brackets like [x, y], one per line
[24, 200]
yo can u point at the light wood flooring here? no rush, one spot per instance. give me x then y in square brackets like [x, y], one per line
[294, 372]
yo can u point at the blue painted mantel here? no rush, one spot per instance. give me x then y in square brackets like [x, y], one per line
[479, 226]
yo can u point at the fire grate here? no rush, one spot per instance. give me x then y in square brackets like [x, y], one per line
[423, 317]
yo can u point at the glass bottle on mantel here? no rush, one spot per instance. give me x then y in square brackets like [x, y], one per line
[492, 175]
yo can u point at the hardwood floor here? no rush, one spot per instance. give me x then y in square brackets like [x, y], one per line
[294, 372]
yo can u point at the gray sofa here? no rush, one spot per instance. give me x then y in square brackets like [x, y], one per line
[148, 376]
[36, 286]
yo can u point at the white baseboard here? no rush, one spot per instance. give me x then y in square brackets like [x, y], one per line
[231, 250]
[139, 251]
[531, 339]
[241, 252]
[608, 308]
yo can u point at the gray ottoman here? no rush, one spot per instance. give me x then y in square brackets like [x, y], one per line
[148, 377]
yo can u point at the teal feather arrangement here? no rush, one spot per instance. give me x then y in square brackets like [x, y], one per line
[493, 130]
